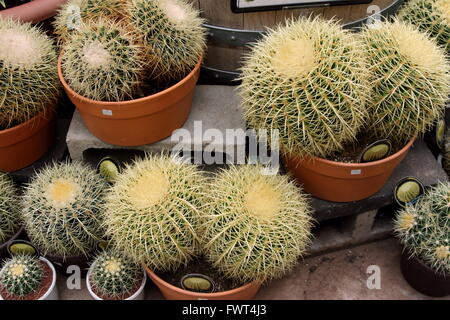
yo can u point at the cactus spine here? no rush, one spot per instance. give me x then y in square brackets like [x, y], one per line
[62, 209]
[172, 33]
[152, 212]
[317, 99]
[22, 275]
[28, 79]
[424, 228]
[10, 220]
[409, 81]
[256, 226]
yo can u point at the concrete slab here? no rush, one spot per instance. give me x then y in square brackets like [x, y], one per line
[217, 107]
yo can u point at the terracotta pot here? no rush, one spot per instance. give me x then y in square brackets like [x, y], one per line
[22, 145]
[34, 11]
[344, 182]
[170, 292]
[422, 278]
[4, 247]
[140, 121]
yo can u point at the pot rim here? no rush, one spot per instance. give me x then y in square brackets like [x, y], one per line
[132, 297]
[157, 279]
[33, 6]
[127, 103]
[361, 165]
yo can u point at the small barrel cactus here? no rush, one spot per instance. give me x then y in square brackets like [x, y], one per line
[111, 275]
[28, 79]
[430, 16]
[152, 212]
[62, 209]
[256, 226]
[10, 220]
[424, 228]
[308, 81]
[409, 80]
[74, 13]
[172, 33]
[22, 275]
[103, 62]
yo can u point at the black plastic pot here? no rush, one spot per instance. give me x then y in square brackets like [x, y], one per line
[422, 278]
[62, 263]
[4, 247]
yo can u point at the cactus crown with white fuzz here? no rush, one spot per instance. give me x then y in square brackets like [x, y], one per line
[21, 275]
[10, 219]
[424, 228]
[152, 212]
[62, 209]
[173, 34]
[28, 79]
[103, 62]
[307, 80]
[255, 226]
[410, 81]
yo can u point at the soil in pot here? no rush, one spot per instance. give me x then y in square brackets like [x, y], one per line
[47, 280]
[199, 267]
[13, 3]
[121, 297]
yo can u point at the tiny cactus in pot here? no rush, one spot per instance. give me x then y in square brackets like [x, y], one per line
[28, 79]
[152, 212]
[62, 209]
[173, 35]
[255, 226]
[10, 219]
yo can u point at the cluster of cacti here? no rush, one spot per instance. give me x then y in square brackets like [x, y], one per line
[10, 219]
[430, 16]
[74, 13]
[28, 79]
[409, 80]
[424, 228]
[22, 275]
[152, 212]
[62, 209]
[172, 33]
[256, 226]
[102, 61]
[308, 81]
[112, 275]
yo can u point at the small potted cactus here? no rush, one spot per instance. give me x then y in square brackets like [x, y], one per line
[62, 212]
[424, 230]
[114, 277]
[133, 80]
[26, 277]
[346, 94]
[10, 220]
[29, 10]
[430, 16]
[30, 90]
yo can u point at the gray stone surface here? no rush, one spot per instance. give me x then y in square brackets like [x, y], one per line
[216, 106]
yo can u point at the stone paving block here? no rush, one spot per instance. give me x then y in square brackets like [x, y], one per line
[217, 107]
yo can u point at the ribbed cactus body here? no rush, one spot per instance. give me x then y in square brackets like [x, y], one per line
[409, 78]
[10, 220]
[62, 209]
[255, 226]
[152, 212]
[21, 275]
[28, 76]
[173, 36]
[424, 228]
[308, 81]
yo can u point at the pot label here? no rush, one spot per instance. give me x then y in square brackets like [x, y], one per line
[107, 112]
[376, 151]
[197, 283]
[109, 169]
[17, 247]
[408, 190]
[356, 172]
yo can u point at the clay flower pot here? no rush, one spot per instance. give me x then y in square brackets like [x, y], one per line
[34, 11]
[22, 145]
[344, 182]
[170, 292]
[140, 121]
[422, 278]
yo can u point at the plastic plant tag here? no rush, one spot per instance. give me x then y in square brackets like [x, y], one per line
[356, 172]
[408, 190]
[197, 283]
[376, 151]
[106, 112]
[17, 247]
